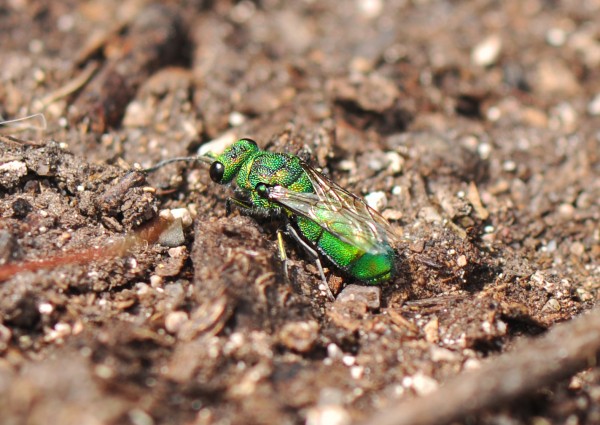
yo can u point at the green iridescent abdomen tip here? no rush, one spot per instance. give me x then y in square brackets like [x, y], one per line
[366, 267]
[374, 268]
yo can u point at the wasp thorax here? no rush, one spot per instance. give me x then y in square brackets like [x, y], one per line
[216, 171]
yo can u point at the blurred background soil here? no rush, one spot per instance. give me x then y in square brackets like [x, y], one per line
[473, 126]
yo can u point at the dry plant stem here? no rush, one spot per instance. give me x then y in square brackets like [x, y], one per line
[147, 234]
[566, 349]
[70, 87]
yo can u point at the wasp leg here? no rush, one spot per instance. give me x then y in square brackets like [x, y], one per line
[282, 254]
[292, 232]
[239, 203]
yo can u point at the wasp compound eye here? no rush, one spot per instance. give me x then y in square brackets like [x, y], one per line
[216, 171]
[262, 190]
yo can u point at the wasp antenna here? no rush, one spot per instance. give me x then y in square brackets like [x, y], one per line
[170, 161]
[206, 159]
[34, 122]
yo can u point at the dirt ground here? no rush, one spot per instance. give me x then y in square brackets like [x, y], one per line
[473, 126]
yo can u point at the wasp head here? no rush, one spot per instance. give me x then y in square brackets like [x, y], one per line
[228, 164]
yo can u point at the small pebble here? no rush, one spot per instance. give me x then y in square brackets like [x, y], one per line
[177, 251]
[564, 116]
[334, 352]
[175, 290]
[36, 46]
[327, 415]
[593, 107]
[397, 190]
[137, 114]
[552, 305]
[566, 210]
[65, 23]
[330, 396]
[166, 215]
[139, 417]
[357, 372]
[509, 166]
[486, 53]
[556, 37]
[173, 236]
[242, 11]
[484, 150]
[171, 267]
[141, 289]
[104, 371]
[424, 384]
[346, 165]
[441, 354]
[551, 245]
[584, 200]
[493, 113]
[60, 331]
[299, 336]
[554, 77]
[584, 295]
[349, 360]
[371, 8]
[5, 336]
[369, 295]
[577, 249]
[236, 118]
[45, 308]
[376, 200]
[376, 161]
[472, 364]
[431, 330]
[175, 320]
[156, 281]
[393, 215]
[361, 65]
[184, 215]
[421, 383]
[396, 162]
[430, 215]
[77, 327]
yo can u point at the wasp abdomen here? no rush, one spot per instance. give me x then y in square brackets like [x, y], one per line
[364, 266]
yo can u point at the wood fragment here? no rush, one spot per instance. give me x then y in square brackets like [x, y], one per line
[475, 199]
[566, 349]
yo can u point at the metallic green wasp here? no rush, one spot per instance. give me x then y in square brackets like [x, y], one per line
[320, 215]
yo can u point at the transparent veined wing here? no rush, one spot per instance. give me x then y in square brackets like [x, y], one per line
[339, 212]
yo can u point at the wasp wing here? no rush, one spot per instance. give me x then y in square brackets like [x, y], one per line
[338, 211]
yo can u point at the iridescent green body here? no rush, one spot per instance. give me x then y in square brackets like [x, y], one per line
[254, 169]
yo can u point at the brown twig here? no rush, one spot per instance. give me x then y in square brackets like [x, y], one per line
[70, 87]
[147, 234]
[564, 350]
